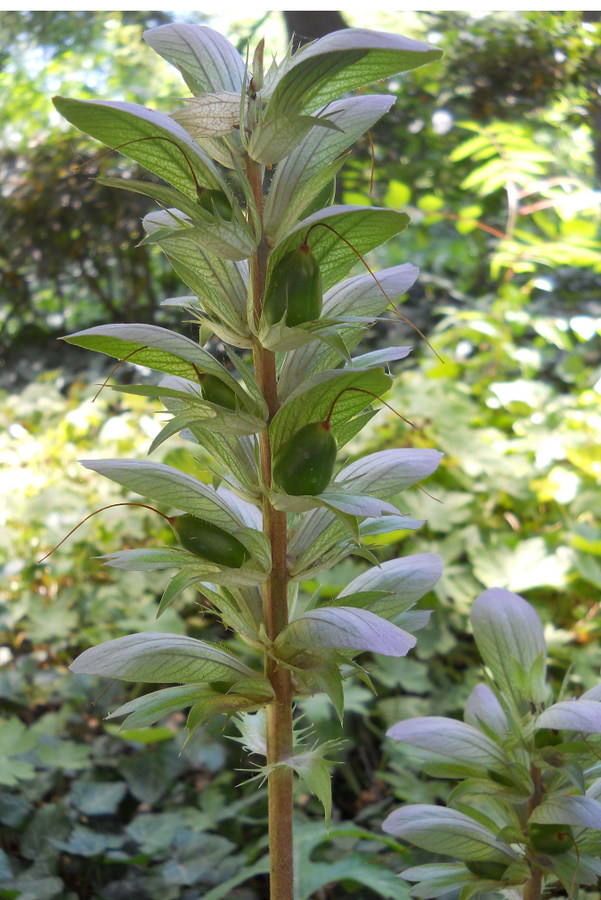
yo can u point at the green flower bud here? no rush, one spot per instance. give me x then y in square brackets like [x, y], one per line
[547, 737]
[551, 839]
[294, 289]
[217, 391]
[304, 464]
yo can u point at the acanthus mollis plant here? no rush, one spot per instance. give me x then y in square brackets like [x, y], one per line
[526, 813]
[245, 218]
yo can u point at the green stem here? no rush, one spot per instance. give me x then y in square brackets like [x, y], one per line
[275, 602]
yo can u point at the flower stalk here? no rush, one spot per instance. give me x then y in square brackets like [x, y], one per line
[298, 122]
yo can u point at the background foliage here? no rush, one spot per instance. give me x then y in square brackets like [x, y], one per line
[494, 153]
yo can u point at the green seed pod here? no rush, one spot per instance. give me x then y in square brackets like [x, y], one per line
[304, 464]
[551, 839]
[208, 541]
[217, 391]
[294, 289]
[490, 869]
[216, 203]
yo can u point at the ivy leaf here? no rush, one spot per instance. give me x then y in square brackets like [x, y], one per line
[207, 60]
[158, 657]
[343, 628]
[510, 638]
[448, 831]
[342, 61]
[16, 739]
[117, 123]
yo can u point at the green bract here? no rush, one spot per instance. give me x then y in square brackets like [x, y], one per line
[487, 869]
[214, 390]
[294, 289]
[217, 203]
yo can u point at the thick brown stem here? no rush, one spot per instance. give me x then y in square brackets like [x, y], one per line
[275, 604]
[533, 889]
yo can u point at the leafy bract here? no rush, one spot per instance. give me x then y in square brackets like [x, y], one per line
[149, 137]
[389, 472]
[319, 534]
[342, 61]
[451, 739]
[569, 810]
[361, 296]
[228, 238]
[403, 581]
[219, 284]
[435, 879]
[286, 200]
[207, 60]
[150, 708]
[167, 485]
[158, 657]
[573, 715]
[483, 707]
[364, 227]
[313, 770]
[277, 136]
[211, 115]
[510, 639]
[313, 399]
[447, 831]
[157, 348]
[344, 628]
[213, 235]
[147, 559]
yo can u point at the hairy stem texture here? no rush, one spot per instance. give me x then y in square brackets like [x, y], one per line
[275, 604]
